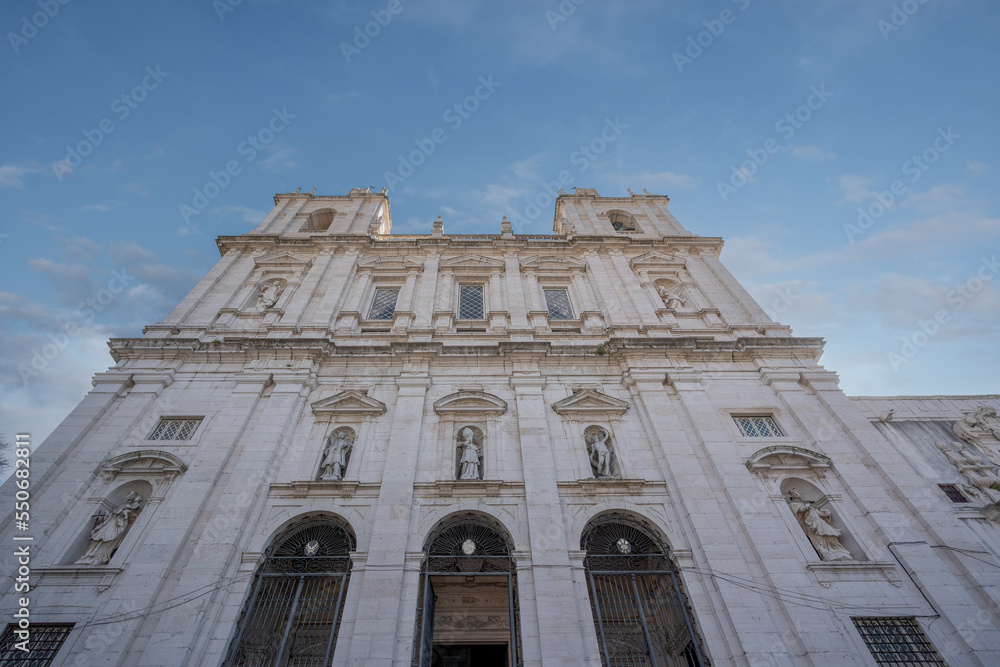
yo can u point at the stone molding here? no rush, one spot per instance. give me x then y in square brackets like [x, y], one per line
[779, 459]
[611, 486]
[470, 403]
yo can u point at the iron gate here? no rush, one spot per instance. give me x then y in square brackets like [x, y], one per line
[292, 616]
[464, 547]
[640, 611]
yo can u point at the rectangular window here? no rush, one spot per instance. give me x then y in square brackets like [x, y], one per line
[954, 495]
[761, 426]
[557, 301]
[175, 429]
[897, 641]
[384, 303]
[470, 302]
[45, 641]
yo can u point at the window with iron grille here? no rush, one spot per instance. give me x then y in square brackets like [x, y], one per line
[954, 495]
[384, 304]
[761, 426]
[897, 641]
[470, 302]
[175, 429]
[45, 641]
[557, 302]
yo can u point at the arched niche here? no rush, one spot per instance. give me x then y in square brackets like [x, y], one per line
[319, 220]
[600, 448]
[622, 221]
[813, 512]
[117, 514]
[470, 462]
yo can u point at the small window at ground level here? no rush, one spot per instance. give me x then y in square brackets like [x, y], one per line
[470, 302]
[44, 641]
[383, 304]
[175, 429]
[761, 426]
[953, 493]
[897, 641]
[557, 302]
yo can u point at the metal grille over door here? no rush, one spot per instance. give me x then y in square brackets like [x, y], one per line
[471, 553]
[639, 608]
[292, 616]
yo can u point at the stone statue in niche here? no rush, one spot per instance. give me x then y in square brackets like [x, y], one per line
[670, 298]
[600, 453]
[469, 464]
[268, 294]
[110, 531]
[819, 528]
[338, 450]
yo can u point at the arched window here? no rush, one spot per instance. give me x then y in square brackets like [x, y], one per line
[319, 220]
[293, 613]
[622, 221]
[640, 611]
[467, 611]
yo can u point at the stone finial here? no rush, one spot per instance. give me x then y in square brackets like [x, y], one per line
[310, 193]
[506, 229]
[438, 229]
[298, 189]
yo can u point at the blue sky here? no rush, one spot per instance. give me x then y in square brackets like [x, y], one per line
[844, 105]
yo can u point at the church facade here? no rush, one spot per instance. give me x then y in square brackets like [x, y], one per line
[352, 447]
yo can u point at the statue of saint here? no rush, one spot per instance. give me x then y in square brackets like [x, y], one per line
[110, 531]
[819, 528]
[600, 454]
[268, 296]
[335, 457]
[469, 463]
[670, 299]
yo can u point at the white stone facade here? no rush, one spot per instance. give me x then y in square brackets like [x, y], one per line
[276, 349]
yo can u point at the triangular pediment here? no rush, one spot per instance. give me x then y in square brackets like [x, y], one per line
[350, 402]
[553, 263]
[656, 260]
[472, 262]
[281, 259]
[590, 401]
[468, 402]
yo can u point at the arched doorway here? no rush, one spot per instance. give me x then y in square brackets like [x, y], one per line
[640, 611]
[293, 612]
[467, 610]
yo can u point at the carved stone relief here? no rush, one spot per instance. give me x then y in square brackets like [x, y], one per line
[984, 482]
[268, 293]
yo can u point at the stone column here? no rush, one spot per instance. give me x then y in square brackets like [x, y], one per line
[444, 316]
[515, 293]
[559, 632]
[424, 299]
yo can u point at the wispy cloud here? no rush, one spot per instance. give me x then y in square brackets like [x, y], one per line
[814, 153]
[12, 174]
